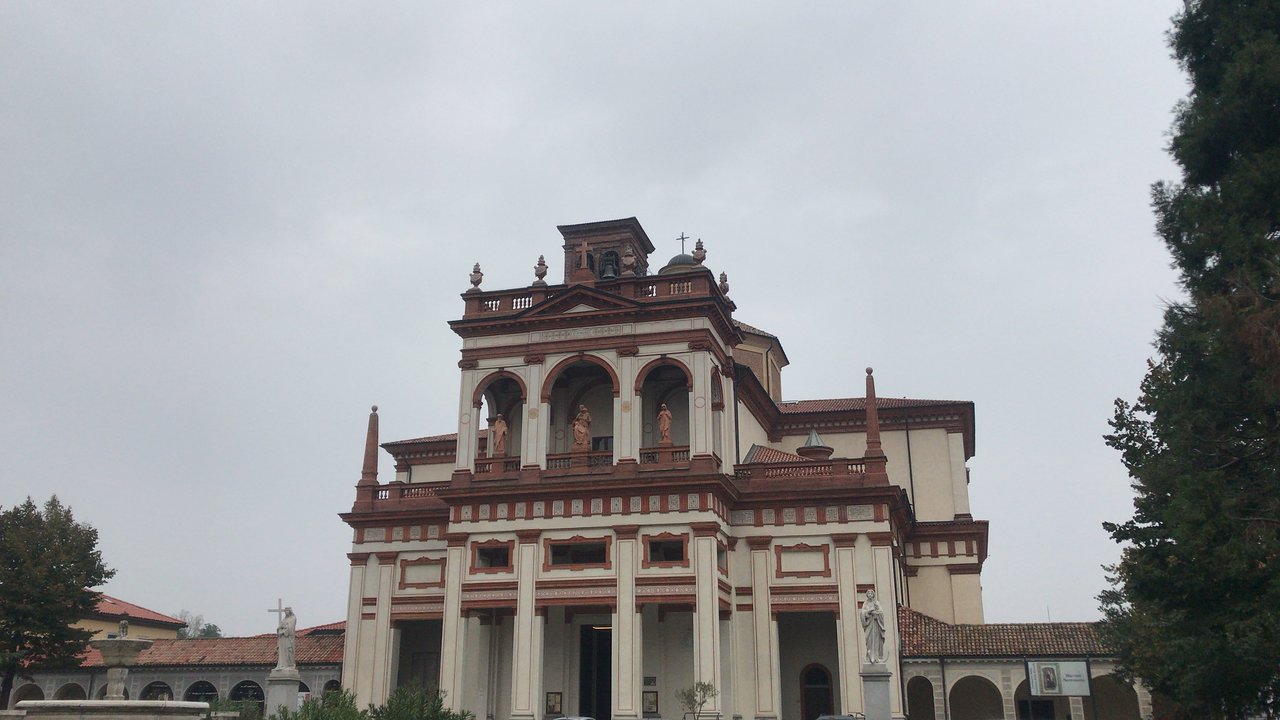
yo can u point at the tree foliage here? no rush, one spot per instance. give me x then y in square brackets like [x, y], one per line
[196, 627]
[48, 565]
[1194, 609]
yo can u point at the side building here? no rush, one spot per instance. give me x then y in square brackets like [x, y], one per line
[628, 506]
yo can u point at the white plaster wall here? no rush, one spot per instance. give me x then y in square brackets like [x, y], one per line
[434, 472]
[966, 593]
[931, 592]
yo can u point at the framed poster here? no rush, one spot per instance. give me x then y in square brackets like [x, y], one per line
[553, 706]
[1058, 678]
[649, 703]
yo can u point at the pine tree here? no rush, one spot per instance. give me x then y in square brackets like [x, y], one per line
[49, 564]
[1194, 609]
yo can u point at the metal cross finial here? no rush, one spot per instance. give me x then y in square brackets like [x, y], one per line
[682, 238]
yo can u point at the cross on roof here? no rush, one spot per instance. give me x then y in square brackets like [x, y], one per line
[682, 238]
[279, 608]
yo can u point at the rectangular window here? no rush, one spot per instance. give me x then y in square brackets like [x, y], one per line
[579, 554]
[666, 551]
[493, 557]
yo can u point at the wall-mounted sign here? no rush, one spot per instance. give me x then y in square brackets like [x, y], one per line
[1058, 678]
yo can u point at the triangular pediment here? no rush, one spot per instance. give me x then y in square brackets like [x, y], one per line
[579, 299]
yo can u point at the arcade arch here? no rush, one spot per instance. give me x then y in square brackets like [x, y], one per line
[578, 383]
[974, 697]
[157, 690]
[500, 402]
[201, 691]
[71, 691]
[30, 691]
[664, 381]
[1113, 699]
[920, 699]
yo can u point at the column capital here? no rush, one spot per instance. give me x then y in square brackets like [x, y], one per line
[528, 536]
[759, 542]
[704, 529]
[456, 539]
[626, 532]
[844, 539]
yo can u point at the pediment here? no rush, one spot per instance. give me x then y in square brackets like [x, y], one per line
[579, 300]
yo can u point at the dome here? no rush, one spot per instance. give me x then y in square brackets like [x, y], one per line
[680, 263]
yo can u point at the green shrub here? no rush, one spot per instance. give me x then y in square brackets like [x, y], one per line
[416, 703]
[333, 705]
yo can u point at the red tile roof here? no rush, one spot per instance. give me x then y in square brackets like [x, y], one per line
[428, 438]
[117, 609]
[923, 636]
[753, 329]
[260, 650]
[762, 454]
[847, 404]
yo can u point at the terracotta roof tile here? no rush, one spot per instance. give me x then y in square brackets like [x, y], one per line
[118, 609]
[762, 454]
[847, 404]
[429, 438]
[260, 650]
[753, 329]
[923, 636]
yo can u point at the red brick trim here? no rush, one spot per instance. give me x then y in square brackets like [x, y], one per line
[358, 559]
[844, 540]
[965, 569]
[759, 542]
[658, 362]
[646, 562]
[476, 547]
[478, 395]
[527, 536]
[548, 543]
[387, 558]
[626, 532]
[404, 585]
[456, 539]
[704, 529]
[778, 550]
[580, 357]
[880, 539]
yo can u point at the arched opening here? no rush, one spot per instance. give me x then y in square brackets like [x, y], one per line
[664, 403]
[609, 264]
[1039, 708]
[248, 691]
[101, 693]
[920, 699]
[974, 697]
[331, 686]
[500, 401]
[581, 423]
[1113, 699]
[71, 691]
[157, 691]
[30, 691]
[201, 691]
[816, 695]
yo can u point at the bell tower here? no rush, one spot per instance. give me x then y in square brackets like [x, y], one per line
[615, 249]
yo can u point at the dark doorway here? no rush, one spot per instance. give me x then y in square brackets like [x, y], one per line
[595, 672]
[816, 697]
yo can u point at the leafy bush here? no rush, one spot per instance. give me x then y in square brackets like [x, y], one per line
[416, 703]
[333, 705]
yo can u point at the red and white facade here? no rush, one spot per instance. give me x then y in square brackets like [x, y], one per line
[548, 577]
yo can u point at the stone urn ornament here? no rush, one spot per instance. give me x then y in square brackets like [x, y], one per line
[476, 278]
[724, 283]
[540, 271]
[699, 252]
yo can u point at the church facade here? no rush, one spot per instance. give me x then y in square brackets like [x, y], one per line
[627, 506]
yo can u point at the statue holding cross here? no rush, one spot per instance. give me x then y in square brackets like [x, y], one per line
[286, 629]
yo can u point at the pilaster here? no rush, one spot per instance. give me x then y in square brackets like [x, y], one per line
[526, 656]
[627, 630]
[706, 617]
[453, 643]
[353, 664]
[382, 642]
[765, 631]
[882, 563]
[849, 635]
[467, 423]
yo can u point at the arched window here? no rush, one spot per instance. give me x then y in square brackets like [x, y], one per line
[1114, 698]
[201, 691]
[499, 401]
[157, 691]
[609, 265]
[816, 694]
[30, 691]
[664, 388]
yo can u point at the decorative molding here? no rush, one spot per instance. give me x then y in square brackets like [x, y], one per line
[781, 550]
[404, 584]
[476, 547]
[548, 543]
[647, 562]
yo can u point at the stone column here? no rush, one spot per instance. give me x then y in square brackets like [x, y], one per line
[382, 643]
[467, 423]
[453, 643]
[700, 404]
[882, 564]
[848, 625]
[628, 425]
[765, 632]
[526, 655]
[352, 662]
[533, 438]
[628, 640]
[706, 616]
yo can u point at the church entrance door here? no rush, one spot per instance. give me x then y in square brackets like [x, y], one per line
[595, 672]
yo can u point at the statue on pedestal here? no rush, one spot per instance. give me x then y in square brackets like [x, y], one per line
[499, 436]
[664, 425]
[872, 617]
[286, 641]
[582, 429]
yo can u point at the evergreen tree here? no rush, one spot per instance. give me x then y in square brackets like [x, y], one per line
[48, 565]
[1194, 609]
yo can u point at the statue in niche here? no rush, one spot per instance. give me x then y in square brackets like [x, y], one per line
[499, 434]
[285, 640]
[582, 429]
[123, 632]
[872, 616]
[664, 425]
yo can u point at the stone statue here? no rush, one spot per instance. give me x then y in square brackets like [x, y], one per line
[499, 435]
[664, 425]
[873, 625]
[285, 640]
[582, 429]
[124, 628]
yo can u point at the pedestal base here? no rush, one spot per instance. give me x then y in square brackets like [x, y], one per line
[282, 689]
[875, 691]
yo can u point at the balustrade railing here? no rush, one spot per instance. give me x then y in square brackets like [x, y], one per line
[800, 469]
[591, 459]
[664, 454]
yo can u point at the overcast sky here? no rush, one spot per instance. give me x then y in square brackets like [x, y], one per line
[226, 229]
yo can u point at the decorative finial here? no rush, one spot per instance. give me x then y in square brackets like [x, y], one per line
[369, 473]
[540, 271]
[724, 283]
[629, 261]
[374, 408]
[476, 277]
[868, 371]
[682, 238]
[699, 253]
